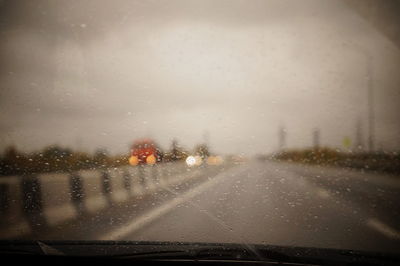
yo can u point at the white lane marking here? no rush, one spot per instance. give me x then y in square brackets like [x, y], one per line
[323, 193]
[160, 211]
[383, 228]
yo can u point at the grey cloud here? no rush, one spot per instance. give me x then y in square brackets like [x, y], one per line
[107, 72]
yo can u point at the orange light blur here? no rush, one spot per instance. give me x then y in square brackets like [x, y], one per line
[133, 160]
[214, 160]
[151, 159]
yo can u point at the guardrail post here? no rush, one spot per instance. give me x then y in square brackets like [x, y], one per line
[32, 202]
[106, 186]
[77, 193]
[141, 176]
[127, 182]
[154, 174]
[4, 199]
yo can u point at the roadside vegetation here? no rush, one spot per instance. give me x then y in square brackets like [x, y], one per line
[55, 158]
[384, 162]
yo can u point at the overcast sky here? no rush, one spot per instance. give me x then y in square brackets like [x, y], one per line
[90, 74]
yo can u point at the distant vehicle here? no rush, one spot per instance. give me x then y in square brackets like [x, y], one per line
[145, 151]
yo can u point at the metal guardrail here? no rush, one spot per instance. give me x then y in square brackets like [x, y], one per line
[31, 202]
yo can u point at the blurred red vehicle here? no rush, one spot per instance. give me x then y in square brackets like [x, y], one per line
[145, 151]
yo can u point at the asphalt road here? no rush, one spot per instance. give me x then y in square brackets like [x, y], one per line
[257, 202]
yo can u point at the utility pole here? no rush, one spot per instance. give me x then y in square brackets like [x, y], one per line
[359, 143]
[282, 138]
[370, 93]
[371, 116]
[316, 138]
[206, 137]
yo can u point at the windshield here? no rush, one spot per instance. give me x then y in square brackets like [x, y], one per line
[244, 122]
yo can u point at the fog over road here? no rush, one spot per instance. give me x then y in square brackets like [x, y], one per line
[257, 202]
